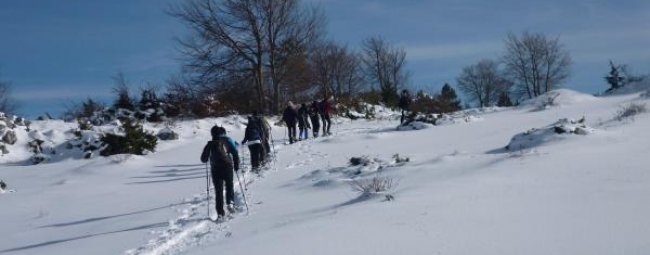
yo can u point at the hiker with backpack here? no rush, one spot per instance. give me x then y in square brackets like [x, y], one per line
[325, 116]
[314, 116]
[303, 122]
[221, 151]
[290, 118]
[253, 138]
[265, 127]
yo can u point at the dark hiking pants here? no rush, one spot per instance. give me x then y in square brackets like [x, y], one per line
[257, 155]
[327, 123]
[223, 178]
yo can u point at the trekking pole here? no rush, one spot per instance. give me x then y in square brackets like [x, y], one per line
[243, 194]
[207, 186]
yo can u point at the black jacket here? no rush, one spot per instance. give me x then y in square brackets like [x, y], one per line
[221, 163]
[405, 102]
[253, 133]
[290, 116]
[303, 117]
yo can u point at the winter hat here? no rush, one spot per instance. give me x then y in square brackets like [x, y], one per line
[217, 131]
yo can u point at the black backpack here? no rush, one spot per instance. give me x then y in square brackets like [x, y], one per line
[219, 152]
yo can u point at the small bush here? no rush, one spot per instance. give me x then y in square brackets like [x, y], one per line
[548, 102]
[357, 161]
[377, 184]
[134, 141]
[397, 159]
[630, 110]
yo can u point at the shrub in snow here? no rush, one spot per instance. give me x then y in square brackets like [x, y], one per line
[41, 147]
[357, 110]
[630, 110]
[460, 117]
[358, 161]
[84, 124]
[166, 134]
[397, 159]
[87, 141]
[133, 140]
[8, 135]
[415, 121]
[376, 185]
[547, 101]
[559, 130]
[36, 147]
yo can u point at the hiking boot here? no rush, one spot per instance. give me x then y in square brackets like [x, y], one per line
[231, 208]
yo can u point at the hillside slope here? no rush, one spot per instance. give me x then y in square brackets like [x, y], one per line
[461, 192]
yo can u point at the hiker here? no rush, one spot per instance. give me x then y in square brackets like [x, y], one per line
[314, 115]
[253, 138]
[404, 104]
[303, 122]
[223, 156]
[290, 118]
[325, 116]
[261, 122]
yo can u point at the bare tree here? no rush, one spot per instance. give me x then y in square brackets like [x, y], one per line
[179, 96]
[243, 37]
[8, 104]
[291, 31]
[336, 70]
[483, 83]
[536, 63]
[385, 66]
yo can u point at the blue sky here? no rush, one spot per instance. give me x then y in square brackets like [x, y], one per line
[57, 51]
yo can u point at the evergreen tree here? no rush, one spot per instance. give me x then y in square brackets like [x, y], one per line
[504, 100]
[89, 108]
[614, 79]
[449, 101]
[150, 106]
[134, 141]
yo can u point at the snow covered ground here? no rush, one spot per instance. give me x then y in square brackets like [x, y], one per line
[461, 192]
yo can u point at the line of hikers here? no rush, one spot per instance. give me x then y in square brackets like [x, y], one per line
[222, 151]
[307, 117]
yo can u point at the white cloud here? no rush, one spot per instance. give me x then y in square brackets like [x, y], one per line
[598, 46]
[478, 49]
[63, 93]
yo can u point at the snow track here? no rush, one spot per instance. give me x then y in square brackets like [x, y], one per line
[192, 228]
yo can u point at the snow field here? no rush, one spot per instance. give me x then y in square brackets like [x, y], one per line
[461, 193]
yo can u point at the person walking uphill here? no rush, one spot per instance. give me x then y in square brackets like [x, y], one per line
[315, 118]
[223, 156]
[303, 122]
[290, 117]
[265, 128]
[253, 138]
[404, 104]
[325, 115]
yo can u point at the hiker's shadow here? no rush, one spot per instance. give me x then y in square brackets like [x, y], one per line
[174, 173]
